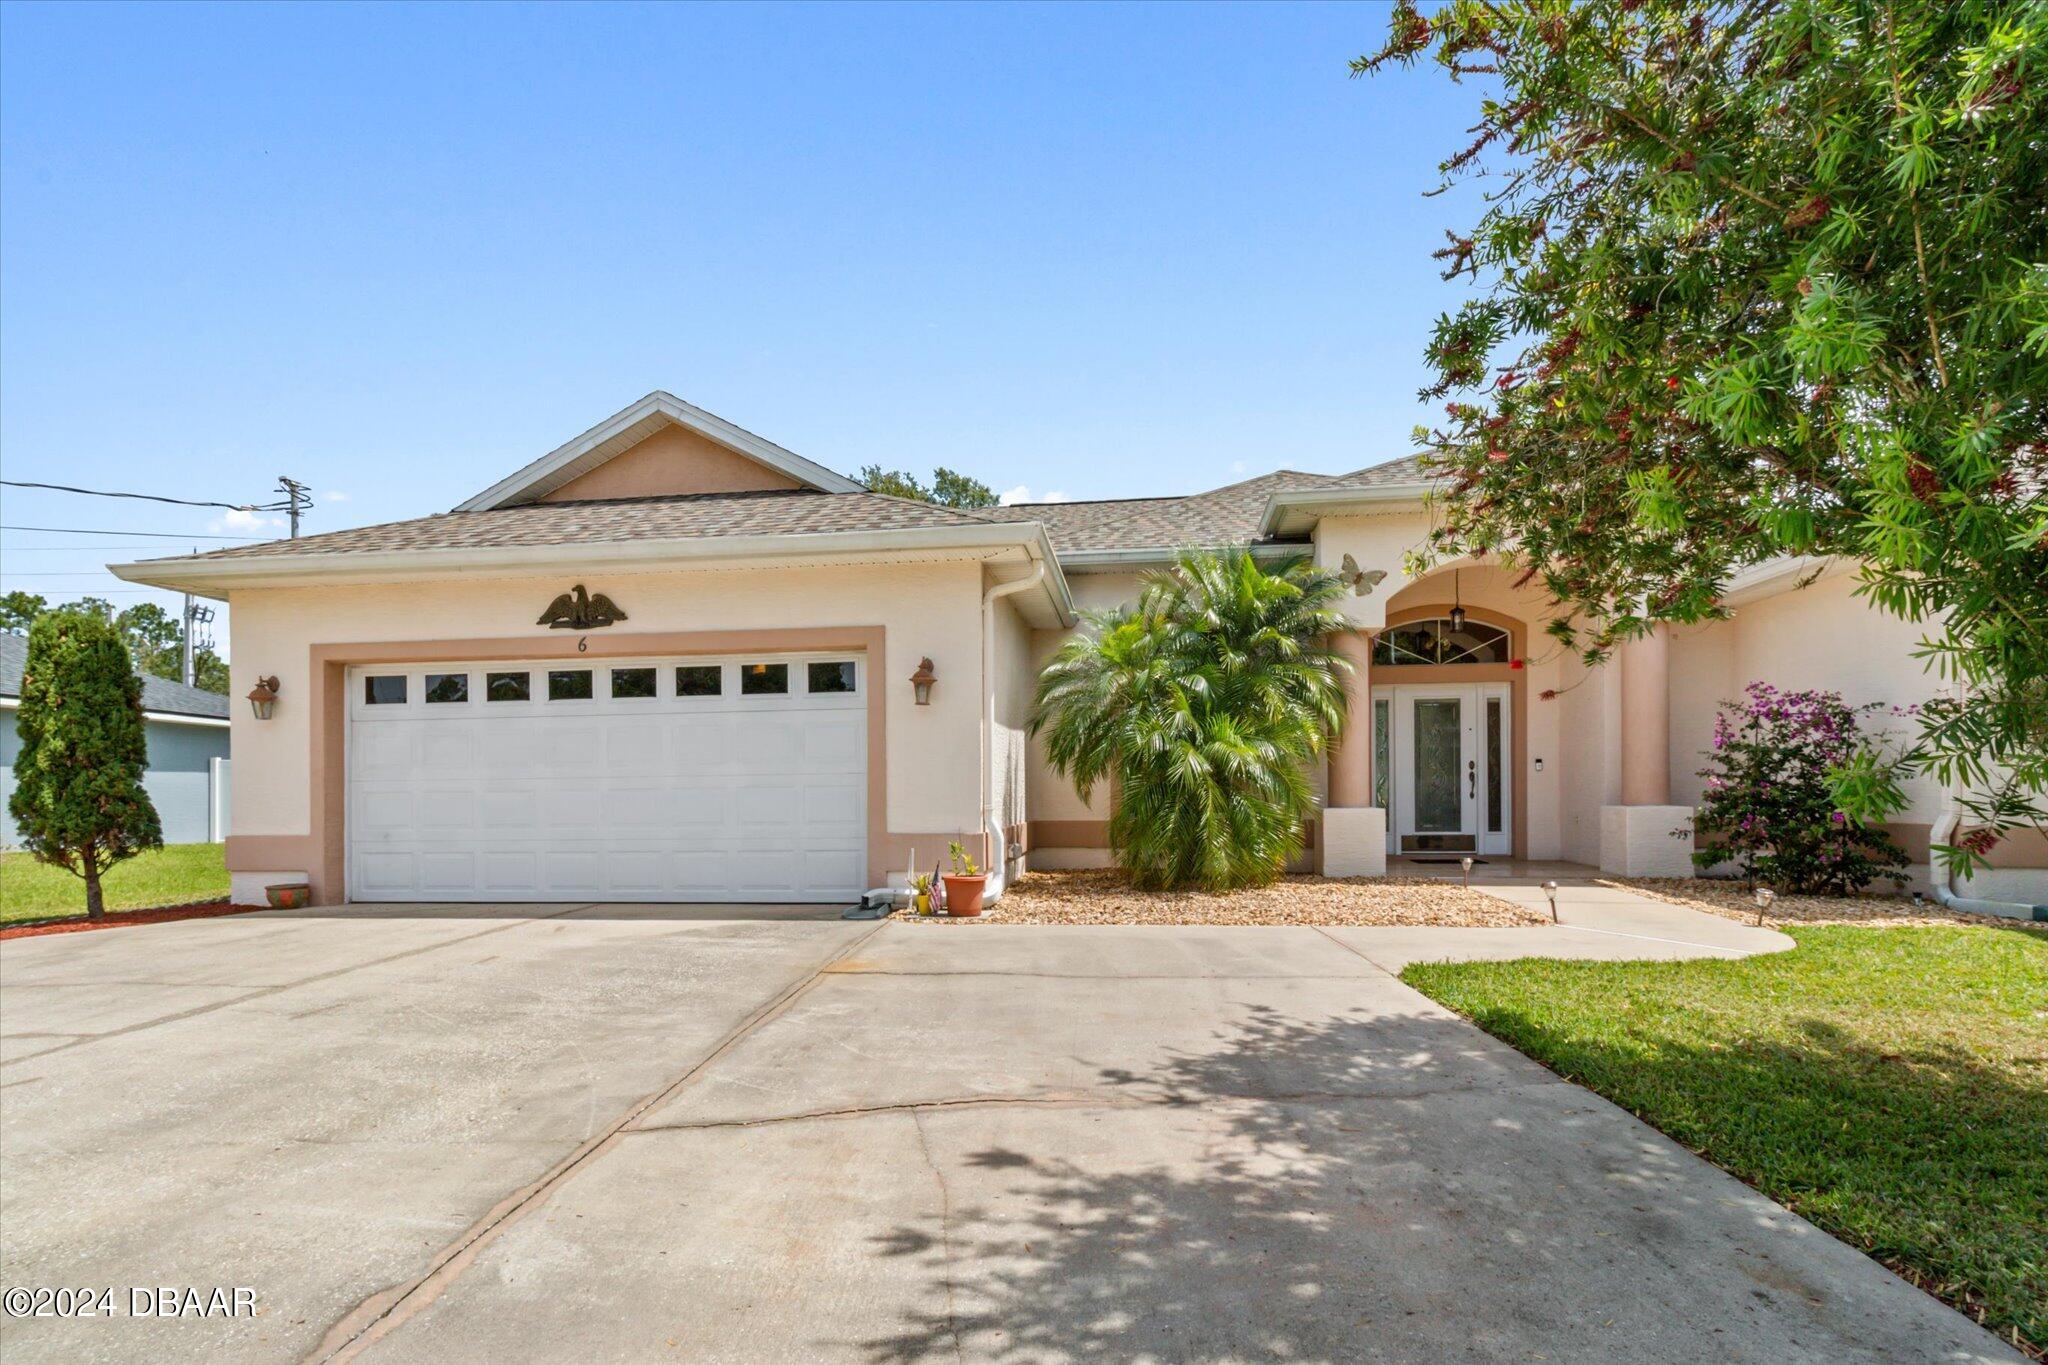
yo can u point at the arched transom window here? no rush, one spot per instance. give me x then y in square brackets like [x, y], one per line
[1437, 641]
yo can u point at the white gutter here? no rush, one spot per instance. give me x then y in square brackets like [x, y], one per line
[1321, 499]
[214, 577]
[165, 717]
[995, 847]
[1087, 561]
[1769, 577]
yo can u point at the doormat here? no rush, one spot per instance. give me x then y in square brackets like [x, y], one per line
[1476, 862]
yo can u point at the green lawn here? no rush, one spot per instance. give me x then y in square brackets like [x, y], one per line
[1891, 1085]
[172, 875]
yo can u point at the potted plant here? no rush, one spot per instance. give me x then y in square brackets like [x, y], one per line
[921, 893]
[964, 884]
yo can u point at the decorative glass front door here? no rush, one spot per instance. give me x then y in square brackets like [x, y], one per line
[1438, 762]
[1441, 767]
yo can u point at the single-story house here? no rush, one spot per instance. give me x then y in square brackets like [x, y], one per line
[671, 660]
[188, 751]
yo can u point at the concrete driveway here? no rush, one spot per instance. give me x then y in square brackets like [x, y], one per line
[638, 1134]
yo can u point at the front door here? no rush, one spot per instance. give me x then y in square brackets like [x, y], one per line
[1446, 749]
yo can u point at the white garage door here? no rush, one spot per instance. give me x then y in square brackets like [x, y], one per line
[738, 779]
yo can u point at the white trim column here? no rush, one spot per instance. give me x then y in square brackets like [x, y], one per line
[1354, 833]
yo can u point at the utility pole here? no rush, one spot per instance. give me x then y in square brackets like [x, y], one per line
[194, 615]
[297, 499]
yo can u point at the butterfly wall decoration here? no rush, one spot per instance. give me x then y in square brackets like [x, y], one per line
[1360, 581]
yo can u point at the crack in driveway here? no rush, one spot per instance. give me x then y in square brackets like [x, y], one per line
[264, 992]
[387, 1309]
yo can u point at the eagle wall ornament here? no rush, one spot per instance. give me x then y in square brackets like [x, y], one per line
[577, 609]
[1360, 581]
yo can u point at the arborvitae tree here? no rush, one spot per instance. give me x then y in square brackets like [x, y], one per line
[78, 797]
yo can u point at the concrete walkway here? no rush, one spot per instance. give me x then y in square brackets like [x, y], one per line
[1608, 923]
[574, 1132]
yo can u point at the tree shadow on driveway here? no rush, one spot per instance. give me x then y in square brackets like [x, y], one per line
[1378, 1186]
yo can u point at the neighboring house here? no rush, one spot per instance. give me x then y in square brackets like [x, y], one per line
[188, 750]
[671, 660]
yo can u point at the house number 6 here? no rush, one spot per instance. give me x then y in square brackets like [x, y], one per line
[583, 644]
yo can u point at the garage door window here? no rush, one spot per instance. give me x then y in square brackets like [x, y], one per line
[569, 684]
[632, 682]
[764, 680]
[700, 680]
[833, 676]
[443, 688]
[508, 686]
[385, 690]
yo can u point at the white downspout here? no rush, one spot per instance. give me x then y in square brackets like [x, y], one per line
[995, 848]
[1938, 874]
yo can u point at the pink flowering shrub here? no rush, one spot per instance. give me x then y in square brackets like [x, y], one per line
[1769, 803]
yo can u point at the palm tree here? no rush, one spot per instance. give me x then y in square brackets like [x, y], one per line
[1203, 705]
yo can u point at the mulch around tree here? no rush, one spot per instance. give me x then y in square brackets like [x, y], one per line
[122, 919]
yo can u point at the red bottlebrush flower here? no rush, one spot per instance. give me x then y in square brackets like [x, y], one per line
[1922, 479]
[1672, 383]
[1978, 841]
[1497, 455]
[1808, 213]
[1514, 663]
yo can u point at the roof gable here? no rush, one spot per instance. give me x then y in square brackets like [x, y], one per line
[694, 467]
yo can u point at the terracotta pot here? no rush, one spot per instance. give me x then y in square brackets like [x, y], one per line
[289, 897]
[963, 894]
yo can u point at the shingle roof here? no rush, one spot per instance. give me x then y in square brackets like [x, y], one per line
[158, 694]
[679, 517]
[1222, 516]
[1393, 472]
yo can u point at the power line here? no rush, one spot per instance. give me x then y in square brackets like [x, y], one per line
[151, 497]
[72, 549]
[153, 535]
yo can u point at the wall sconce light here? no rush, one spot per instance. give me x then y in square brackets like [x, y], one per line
[263, 697]
[922, 680]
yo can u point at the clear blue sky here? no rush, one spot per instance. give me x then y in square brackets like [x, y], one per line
[397, 252]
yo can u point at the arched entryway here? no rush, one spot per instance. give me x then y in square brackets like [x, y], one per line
[1449, 715]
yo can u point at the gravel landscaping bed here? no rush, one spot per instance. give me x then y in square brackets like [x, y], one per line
[1107, 897]
[1732, 900]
